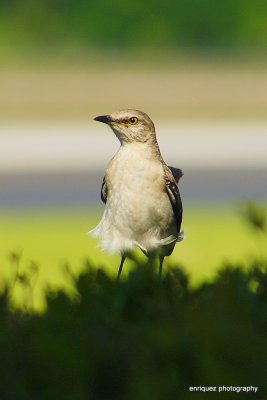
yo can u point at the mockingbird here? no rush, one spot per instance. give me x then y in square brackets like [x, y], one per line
[143, 204]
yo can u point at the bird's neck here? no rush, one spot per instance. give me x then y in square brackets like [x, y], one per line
[149, 149]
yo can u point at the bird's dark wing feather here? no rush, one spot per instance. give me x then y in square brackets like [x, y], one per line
[104, 191]
[174, 195]
[177, 173]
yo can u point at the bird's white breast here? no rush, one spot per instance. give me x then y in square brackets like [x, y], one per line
[138, 210]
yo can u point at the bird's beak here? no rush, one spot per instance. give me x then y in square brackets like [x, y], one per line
[103, 118]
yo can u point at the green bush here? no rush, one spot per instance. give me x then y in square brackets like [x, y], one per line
[141, 338]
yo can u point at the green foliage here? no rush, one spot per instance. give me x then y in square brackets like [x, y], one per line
[141, 338]
[255, 215]
[134, 23]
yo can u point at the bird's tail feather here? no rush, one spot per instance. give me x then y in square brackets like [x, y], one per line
[181, 236]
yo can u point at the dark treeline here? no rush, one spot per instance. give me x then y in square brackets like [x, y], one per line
[182, 24]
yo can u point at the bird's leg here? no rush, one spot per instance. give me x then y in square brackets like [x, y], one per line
[123, 256]
[161, 258]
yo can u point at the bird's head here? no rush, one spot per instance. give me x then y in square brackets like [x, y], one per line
[130, 126]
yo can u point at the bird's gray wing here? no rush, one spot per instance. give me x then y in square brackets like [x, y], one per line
[174, 195]
[104, 191]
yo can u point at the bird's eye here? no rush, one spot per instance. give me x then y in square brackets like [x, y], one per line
[133, 120]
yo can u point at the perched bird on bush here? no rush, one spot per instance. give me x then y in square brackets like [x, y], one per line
[143, 204]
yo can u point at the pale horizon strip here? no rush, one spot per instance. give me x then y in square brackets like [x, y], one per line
[57, 146]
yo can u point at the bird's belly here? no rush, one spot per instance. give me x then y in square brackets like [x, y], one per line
[138, 210]
[141, 210]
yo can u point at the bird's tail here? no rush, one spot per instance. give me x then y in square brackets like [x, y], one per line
[181, 236]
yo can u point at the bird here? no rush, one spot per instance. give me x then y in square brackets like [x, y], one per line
[143, 206]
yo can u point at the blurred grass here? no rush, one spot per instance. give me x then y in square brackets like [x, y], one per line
[176, 89]
[56, 240]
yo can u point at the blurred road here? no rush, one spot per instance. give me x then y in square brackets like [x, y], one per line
[82, 189]
[58, 165]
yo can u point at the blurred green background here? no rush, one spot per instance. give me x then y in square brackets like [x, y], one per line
[198, 68]
[185, 24]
